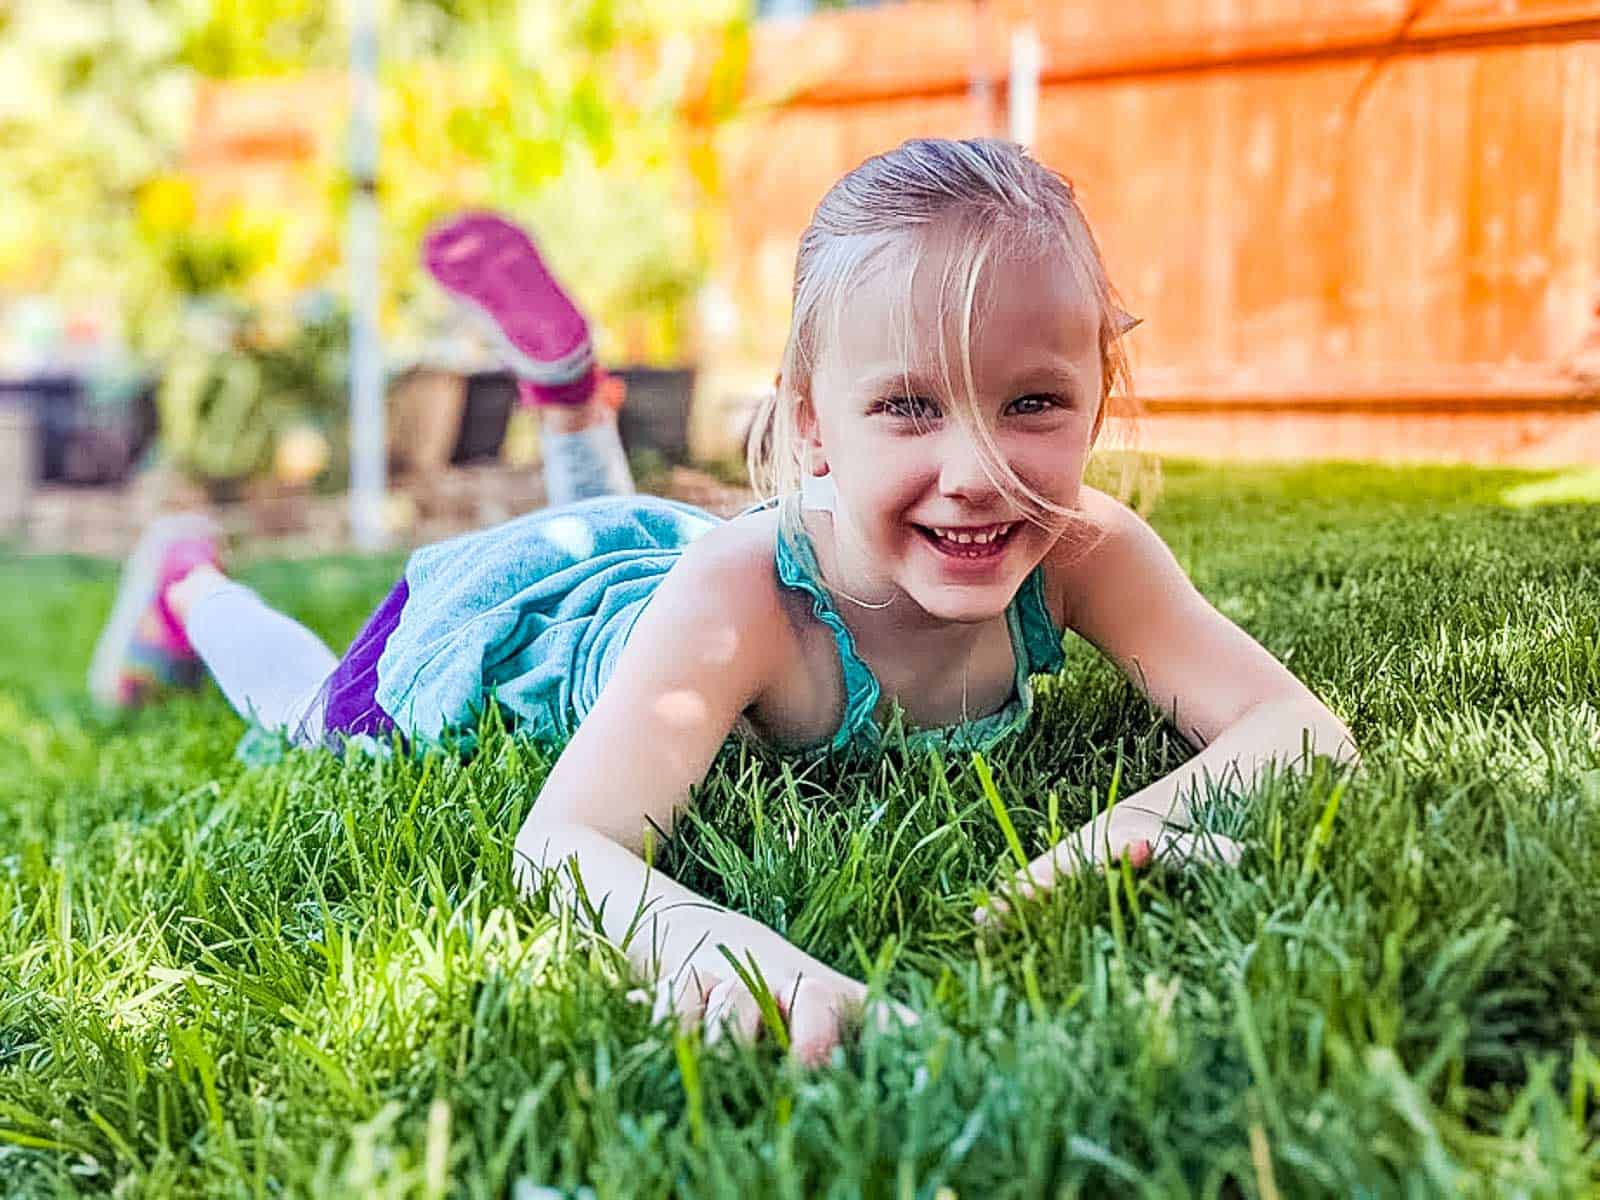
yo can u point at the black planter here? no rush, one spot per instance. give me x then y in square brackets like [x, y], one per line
[656, 414]
[490, 397]
[654, 419]
[79, 440]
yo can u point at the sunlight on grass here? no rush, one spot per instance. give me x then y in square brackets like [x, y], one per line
[1580, 485]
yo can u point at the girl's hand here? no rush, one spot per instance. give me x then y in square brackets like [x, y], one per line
[1137, 834]
[815, 1009]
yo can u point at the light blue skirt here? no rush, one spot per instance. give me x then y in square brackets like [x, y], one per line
[533, 612]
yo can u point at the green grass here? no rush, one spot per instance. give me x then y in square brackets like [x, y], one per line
[317, 978]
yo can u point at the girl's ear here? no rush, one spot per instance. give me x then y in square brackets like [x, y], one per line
[813, 456]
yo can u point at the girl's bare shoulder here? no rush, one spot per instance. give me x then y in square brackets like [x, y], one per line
[1116, 549]
[715, 618]
[741, 548]
[733, 569]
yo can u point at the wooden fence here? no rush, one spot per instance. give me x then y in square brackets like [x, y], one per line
[1344, 206]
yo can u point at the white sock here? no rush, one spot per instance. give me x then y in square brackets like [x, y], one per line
[269, 666]
[581, 464]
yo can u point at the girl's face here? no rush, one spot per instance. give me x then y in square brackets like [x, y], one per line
[916, 513]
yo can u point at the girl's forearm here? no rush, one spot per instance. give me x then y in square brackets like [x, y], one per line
[1272, 733]
[665, 928]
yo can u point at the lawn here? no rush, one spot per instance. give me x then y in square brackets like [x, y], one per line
[316, 978]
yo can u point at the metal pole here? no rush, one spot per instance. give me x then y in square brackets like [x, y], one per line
[368, 465]
[980, 87]
[1022, 92]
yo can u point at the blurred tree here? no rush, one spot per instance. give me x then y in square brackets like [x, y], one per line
[96, 103]
[592, 120]
[230, 38]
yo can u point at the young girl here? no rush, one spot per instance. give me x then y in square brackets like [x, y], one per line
[953, 350]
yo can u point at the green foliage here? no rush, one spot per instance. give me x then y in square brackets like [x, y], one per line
[574, 117]
[92, 108]
[223, 411]
[581, 120]
[318, 978]
[234, 38]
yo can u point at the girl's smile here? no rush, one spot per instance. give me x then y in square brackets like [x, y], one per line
[970, 552]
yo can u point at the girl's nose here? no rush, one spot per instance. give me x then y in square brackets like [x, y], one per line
[961, 470]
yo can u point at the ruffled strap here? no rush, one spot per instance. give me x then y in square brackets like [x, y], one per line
[1036, 648]
[798, 568]
[1040, 637]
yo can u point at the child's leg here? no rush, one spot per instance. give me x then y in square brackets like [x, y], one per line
[270, 667]
[494, 268]
[142, 649]
[583, 456]
[177, 616]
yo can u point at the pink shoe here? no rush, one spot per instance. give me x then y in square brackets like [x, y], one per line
[143, 648]
[493, 267]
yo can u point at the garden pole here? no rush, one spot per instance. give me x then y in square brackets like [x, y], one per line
[980, 86]
[367, 440]
[1022, 91]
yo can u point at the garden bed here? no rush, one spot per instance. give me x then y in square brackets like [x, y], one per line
[285, 521]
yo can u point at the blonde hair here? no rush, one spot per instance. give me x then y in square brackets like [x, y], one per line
[998, 200]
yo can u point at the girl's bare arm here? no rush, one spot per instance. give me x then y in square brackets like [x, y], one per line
[1130, 598]
[702, 652]
[1241, 707]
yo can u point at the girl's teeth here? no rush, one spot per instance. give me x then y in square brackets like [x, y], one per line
[963, 537]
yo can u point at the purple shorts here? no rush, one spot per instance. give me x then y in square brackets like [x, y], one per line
[350, 697]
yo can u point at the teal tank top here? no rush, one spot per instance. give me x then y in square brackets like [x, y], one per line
[536, 611]
[1035, 645]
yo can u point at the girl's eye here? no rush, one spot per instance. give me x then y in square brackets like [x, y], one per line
[1036, 402]
[911, 408]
